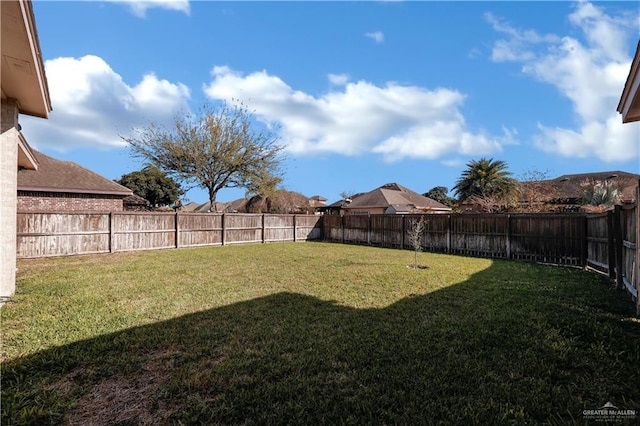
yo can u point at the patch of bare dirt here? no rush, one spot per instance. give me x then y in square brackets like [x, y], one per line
[129, 399]
[415, 266]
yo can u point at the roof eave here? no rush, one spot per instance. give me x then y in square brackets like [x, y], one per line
[629, 105]
[73, 191]
[30, 89]
[26, 159]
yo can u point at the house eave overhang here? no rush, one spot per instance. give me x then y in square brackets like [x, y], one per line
[26, 159]
[629, 105]
[22, 69]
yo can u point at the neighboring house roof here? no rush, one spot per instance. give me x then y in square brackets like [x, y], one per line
[206, 207]
[393, 194]
[337, 205]
[189, 207]
[65, 176]
[236, 206]
[134, 200]
[570, 188]
[629, 105]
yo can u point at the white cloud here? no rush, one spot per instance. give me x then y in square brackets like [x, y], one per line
[394, 121]
[608, 140]
[377, 36]
[338, 79]
[453, 162]
[590, 73]
[93, 106]
[140, 7]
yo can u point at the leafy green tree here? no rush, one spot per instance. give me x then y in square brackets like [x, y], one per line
[153, 185]
[486, 179]
[219, 148]
[441, 195]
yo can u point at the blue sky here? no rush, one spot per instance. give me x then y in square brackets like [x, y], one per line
[364, 93]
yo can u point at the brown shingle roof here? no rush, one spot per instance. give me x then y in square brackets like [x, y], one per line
[571, 187]
[65, 176]
[393, 193]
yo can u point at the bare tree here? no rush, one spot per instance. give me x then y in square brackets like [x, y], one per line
[347, 195]
[415, 233]
[537, 192]
[219, 148]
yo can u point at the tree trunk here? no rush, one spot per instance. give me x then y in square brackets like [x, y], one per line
[212, 200]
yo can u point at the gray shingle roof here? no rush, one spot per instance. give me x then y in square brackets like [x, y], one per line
[65, 176]
[394, 194]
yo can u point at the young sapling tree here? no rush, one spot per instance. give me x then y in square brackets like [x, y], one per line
[415, 233]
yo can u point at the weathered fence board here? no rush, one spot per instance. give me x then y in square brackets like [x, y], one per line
[555, 239]
[598, 242]
[199, 229]
[140, 231]
[545, 238]
[61, 234]
[483, 236]
[307, 227]
[629, 224]
[54, 234]
[387, 231]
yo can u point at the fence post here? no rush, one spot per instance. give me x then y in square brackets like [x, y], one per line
[111, 232]
[264, 237]
[584, 250]
[295, 231]
[342, 225]
[617, 230]
[223, 228]
[637, 257]
[177, 231]
[448, 237]
[369, 228]
[403, 231]
[611, 249]
[508, 237]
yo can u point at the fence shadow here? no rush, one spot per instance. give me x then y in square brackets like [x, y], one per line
[479, 352]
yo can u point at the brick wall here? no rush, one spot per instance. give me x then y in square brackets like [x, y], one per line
[64, 202]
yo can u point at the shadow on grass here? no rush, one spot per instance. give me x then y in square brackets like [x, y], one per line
[479, 352]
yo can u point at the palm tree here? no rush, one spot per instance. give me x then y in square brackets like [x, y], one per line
[486, 178]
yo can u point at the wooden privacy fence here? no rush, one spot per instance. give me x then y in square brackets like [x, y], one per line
[557, 239]
[59, 234]
[604, 242]
[612, 245]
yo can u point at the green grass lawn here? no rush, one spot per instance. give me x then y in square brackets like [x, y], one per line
[312, 333]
